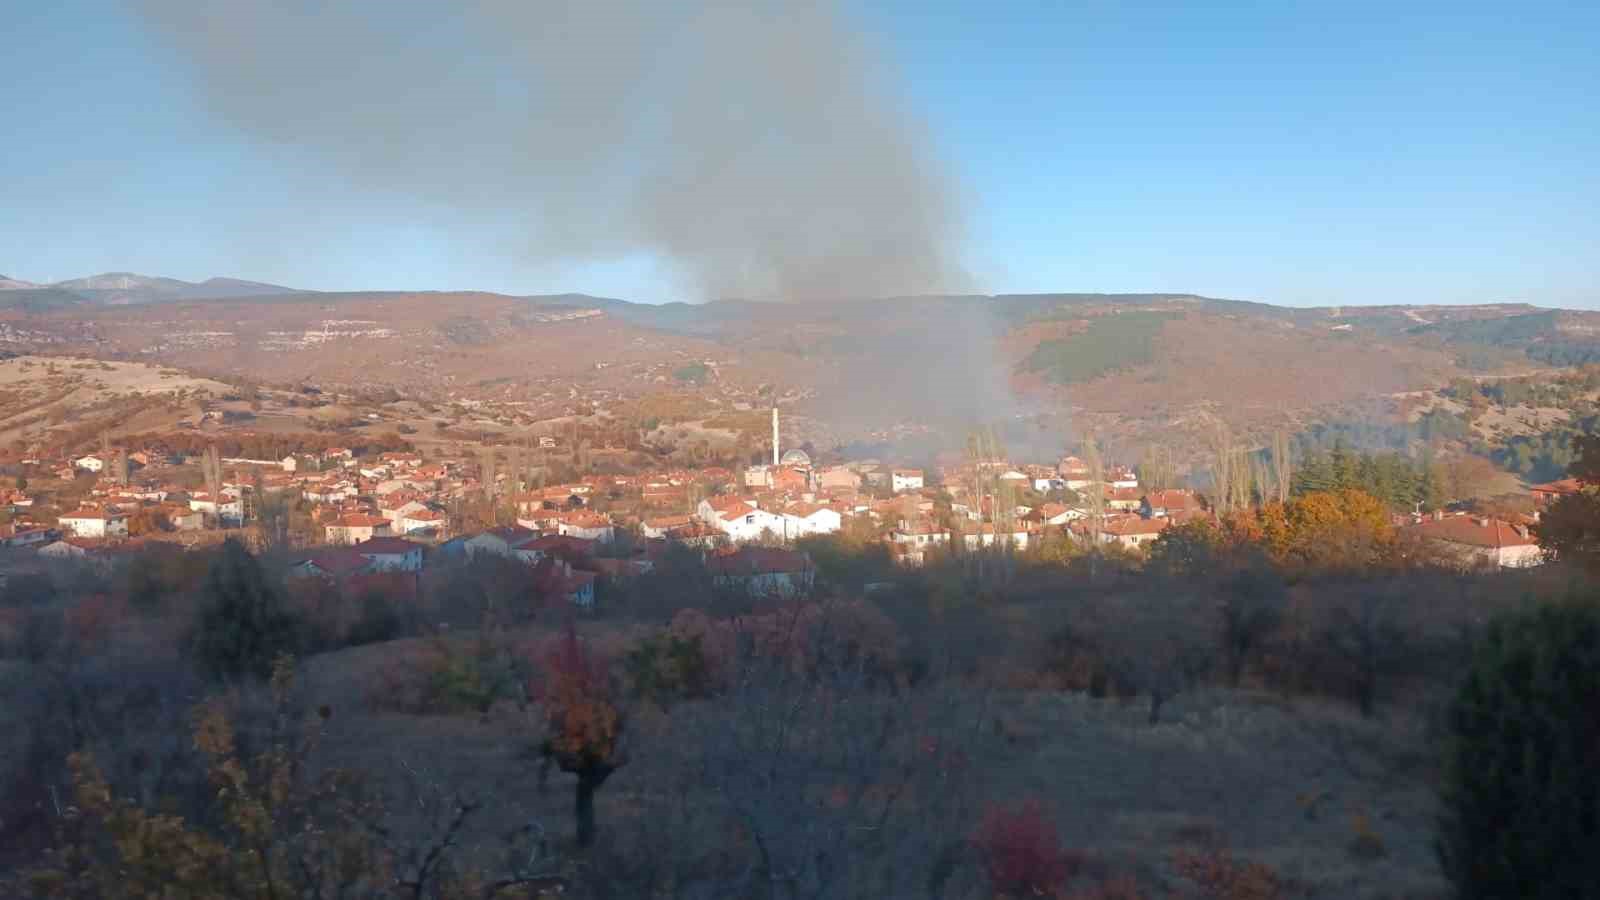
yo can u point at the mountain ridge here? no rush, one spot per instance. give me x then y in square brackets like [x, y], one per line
[132, 288]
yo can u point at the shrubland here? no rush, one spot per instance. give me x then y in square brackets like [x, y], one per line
[1256, 710]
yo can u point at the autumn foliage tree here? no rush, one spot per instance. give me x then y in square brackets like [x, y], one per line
[280, 827]
[1021, 852]
[583, 721]
[1325, 530]
[1569, 529]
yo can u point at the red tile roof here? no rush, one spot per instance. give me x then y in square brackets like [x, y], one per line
[386, 545]
[1474, 531]
[1133, 525]
[757, 561]
[1564, 486]
[559, 544]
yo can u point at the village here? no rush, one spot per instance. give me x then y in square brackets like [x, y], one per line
[343, 517]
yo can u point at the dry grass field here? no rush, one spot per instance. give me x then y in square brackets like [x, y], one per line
[1340, 806]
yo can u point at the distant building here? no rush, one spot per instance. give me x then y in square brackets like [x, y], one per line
[804, 519]
[1479, 540]
[94, 523]
[1550, 492]
[1162, 504]
[835, 477]
[1132, 532]
[354, 528]
[659, 527]
[901, 480]
[390, 554]
[762, 571]
[24, 536]
[423, 520]
[740, 520]
[499, 541]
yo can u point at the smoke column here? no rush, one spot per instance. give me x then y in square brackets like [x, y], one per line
[757, 146]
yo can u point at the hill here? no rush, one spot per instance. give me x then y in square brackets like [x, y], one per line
[118, 288]
[1135, 367]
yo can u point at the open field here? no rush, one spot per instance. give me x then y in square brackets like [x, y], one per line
[45, 396]
[1288, 783]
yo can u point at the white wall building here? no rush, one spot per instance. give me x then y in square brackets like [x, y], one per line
[901, 480]
[93, 523]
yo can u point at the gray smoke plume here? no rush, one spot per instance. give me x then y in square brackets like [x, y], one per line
[756, 145]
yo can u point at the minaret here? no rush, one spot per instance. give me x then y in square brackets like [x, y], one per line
[774, 435]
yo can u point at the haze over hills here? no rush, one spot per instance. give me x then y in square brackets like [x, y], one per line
[128, 288]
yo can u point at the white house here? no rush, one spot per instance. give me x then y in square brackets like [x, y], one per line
[987, 535]
[396, 513]
[1132, 532]
[421, 520]
[804, 519]
[750, 525]
[912, 541]
[330, 493]
[391, 554]
[498, 541]
[89, 463]
[289, 463]
[225, 508]
[1058, 514]
[661, 527]
[901, 480]
[94, 523]
[740, 520]
[589, 526]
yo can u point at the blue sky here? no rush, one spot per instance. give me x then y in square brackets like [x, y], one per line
[1300, 153]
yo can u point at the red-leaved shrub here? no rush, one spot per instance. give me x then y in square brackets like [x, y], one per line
[1021, 851]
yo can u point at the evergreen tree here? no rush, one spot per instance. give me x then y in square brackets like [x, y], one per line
[1314, 474]
[1521, 798]
[1430, 488]
[243, 625]
[1344, 467]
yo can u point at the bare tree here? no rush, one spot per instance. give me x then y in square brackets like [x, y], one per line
[211, 471]
[1156, 471]
[1155, 645]
[486, 471]
[1229, 468]
[1282, 466]
[836, 786]
[514, 470]
[1097, 498]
